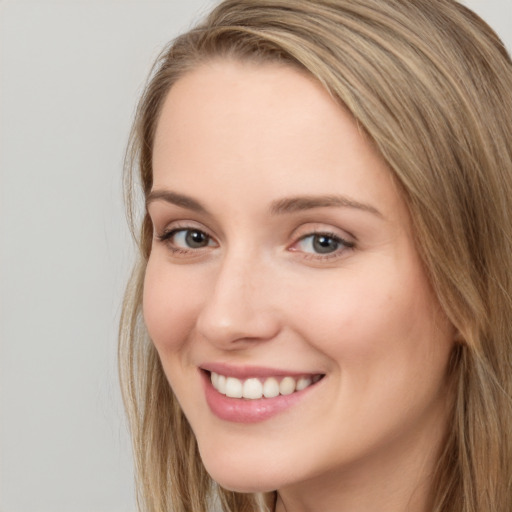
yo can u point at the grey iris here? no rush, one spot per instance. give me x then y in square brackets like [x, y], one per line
[324, 244]
[196, 239]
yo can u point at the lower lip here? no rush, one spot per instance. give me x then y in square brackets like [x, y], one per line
[240, 410]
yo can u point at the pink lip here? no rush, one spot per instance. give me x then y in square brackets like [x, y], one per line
[240, 410]
[246, 372]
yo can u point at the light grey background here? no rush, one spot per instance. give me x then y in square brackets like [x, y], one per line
[70, 74]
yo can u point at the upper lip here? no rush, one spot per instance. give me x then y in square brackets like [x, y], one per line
[247, 371]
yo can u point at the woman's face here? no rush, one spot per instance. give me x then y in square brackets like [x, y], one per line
[283, 259]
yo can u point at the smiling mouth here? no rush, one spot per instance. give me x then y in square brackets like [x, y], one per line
[256, 388]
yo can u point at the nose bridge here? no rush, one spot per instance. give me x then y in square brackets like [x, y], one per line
[237, 306]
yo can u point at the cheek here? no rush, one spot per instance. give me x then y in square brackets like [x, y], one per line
[171, 300]
[388, 349]
[169, 305]
[376, 319]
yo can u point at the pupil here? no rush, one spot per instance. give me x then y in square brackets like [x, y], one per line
[324, 244]
[196, 239]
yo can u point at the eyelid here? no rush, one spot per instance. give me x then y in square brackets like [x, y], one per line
[321, 228]
[177, 225]
[333, 236]
[165, 236]
[347, 243]
[344, 243]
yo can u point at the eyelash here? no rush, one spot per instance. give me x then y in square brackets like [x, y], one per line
[343, 244]
[167, 236]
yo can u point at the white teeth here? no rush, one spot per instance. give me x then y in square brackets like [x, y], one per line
[287, 386]
[303, 383]
[221, 384]
[233, 387]
[270, 388]
[254, 388]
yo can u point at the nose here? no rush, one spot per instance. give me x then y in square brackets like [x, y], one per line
[238, 308]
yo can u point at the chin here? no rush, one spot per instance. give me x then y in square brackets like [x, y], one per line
[235, 472]
[243, 483]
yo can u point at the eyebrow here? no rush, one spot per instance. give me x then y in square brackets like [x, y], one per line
[300, 203]
[177, 199]
[277, 207]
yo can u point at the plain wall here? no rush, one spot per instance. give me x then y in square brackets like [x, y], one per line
[70, 74]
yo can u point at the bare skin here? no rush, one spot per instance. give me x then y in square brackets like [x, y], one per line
[281, 244]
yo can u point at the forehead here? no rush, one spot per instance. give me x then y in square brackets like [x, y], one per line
[247, 126]
[241, 93]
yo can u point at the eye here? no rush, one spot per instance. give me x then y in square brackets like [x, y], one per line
[191, 238]
[185, 239]
[322, 244]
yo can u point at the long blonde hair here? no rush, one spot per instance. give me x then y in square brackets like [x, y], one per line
[431, 85]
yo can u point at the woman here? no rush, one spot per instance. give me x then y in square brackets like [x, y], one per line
[320, 316]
